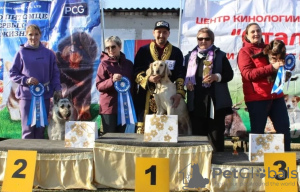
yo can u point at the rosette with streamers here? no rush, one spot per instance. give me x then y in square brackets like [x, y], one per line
[281, 74]
[290, 64]
[37, 112]
[126, 112]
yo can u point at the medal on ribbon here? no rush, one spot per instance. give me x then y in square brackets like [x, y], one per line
[37, 112]
[281, 74]
[126, 112]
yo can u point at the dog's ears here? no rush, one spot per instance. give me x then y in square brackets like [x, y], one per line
[56, 97]
[149, 70]
[70, 97]
[167, 71]
[271, 44]
[283, 50]
[267, 48]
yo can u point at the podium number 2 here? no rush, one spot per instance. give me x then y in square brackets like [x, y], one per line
[19, 171]
[152, 171]
[18, 174]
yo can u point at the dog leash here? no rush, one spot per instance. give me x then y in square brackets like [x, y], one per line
[47, 85]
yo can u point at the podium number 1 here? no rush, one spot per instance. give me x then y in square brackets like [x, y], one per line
[152, 171]
[152, 174]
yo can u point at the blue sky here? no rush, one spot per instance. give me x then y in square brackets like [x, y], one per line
[141, 4]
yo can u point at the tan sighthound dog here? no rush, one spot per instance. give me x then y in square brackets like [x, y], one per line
[164, 90]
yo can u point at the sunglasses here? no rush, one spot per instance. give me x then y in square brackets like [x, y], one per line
[203, 38]
[111, 47]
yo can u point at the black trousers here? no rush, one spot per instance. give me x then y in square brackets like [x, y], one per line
[213, 128]
[109, 123]
[277, 111]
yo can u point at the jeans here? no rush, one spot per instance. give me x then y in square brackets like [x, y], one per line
[277, 111]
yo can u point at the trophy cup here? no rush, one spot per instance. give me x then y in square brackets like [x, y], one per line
[235, 145]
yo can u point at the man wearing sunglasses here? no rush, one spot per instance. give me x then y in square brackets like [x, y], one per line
[158, 49]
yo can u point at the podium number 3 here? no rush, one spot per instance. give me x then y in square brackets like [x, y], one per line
[17, 173]
[281, 169]
[152, 171]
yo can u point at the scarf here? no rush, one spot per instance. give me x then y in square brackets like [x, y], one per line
[166, 53]
[192, 64]
[192, 67]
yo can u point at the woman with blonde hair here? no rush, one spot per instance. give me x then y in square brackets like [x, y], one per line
[34, 65]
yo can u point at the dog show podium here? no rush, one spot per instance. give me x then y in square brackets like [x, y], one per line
[115, 157]
[57, 167]
[111, 163]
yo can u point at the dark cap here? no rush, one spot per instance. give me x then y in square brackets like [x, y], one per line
[162, 24]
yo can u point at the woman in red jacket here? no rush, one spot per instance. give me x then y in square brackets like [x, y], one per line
[257, 89]
[112, 68]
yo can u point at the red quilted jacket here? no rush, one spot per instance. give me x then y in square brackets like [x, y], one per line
[254, 73]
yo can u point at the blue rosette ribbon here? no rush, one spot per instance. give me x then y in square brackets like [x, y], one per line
[281, 74]
[37, 112]
[126, 111]
[290, 64]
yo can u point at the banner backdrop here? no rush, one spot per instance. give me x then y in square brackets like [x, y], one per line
[228, 20]
[71, 28]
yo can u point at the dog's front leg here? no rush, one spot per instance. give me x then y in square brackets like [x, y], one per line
[170, 109]
[158, 104]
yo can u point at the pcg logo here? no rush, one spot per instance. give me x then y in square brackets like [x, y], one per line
[77, 9]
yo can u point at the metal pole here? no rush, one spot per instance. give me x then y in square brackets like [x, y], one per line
[179, 28]
[102, 23]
